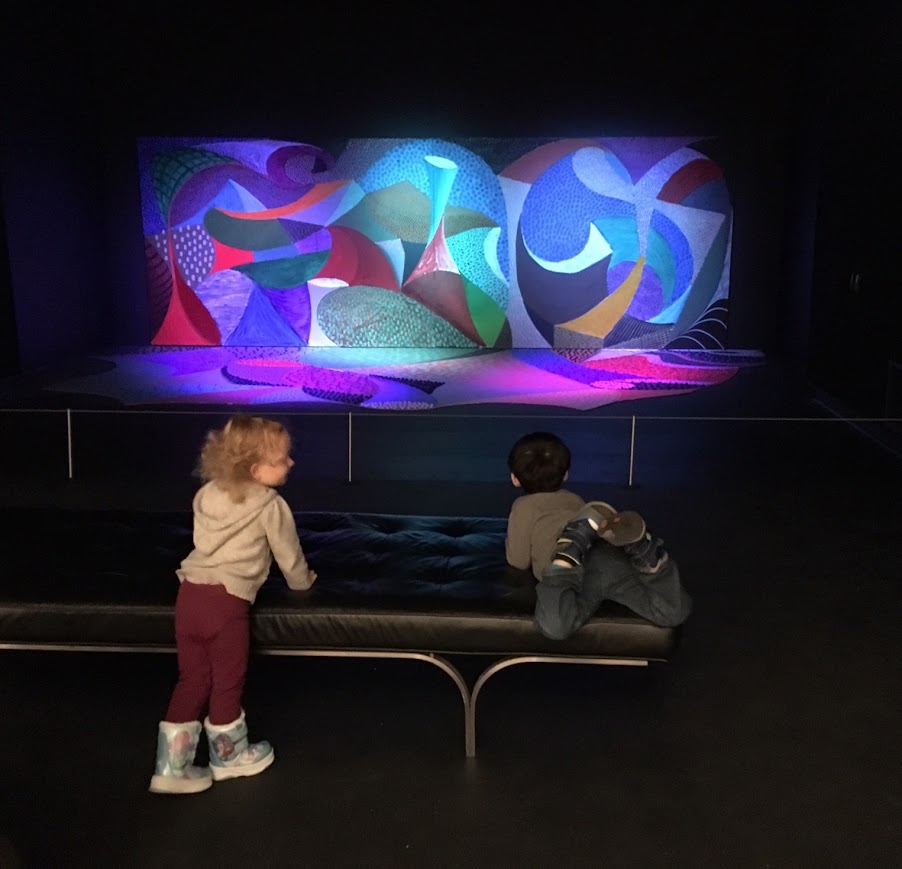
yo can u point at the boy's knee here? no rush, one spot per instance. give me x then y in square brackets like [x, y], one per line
[553, 631]
[551, 625]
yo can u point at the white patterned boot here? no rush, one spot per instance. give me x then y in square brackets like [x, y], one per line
[175, 772]
[231, 755]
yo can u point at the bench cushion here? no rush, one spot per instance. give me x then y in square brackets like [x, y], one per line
[386, 582]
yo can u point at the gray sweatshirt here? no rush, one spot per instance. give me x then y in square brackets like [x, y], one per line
[533, 527]
[234, 544]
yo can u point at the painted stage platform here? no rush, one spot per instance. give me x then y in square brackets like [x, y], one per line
[389, 379]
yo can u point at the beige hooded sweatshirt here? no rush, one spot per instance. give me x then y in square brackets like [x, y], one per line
[234, 544]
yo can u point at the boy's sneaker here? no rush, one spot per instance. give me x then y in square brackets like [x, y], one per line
[618, 529]
[648, 555]
[597, 519]
[575, 541]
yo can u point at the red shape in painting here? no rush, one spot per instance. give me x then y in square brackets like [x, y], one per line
[187, 321]
[357, 260]
[437, 285]
[687, 179]
[436, 257]
[227, 257]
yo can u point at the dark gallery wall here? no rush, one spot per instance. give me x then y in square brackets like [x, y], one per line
[85, 89]
[9, 341]
[855, 349]
[50, 177]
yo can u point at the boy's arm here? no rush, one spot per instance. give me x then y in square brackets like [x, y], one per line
[282, 534]
[517, 545]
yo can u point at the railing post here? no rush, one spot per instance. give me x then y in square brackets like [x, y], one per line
[69, 441]
[632, 448]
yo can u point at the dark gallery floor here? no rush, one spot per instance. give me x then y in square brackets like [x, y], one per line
[771, 740]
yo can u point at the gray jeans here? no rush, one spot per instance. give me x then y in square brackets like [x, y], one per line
[567, 597]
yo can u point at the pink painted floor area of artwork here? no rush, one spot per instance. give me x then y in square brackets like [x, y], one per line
[394, 379]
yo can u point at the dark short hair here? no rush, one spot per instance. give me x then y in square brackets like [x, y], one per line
[540, 461]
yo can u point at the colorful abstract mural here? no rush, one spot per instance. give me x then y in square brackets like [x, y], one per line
[424, 272]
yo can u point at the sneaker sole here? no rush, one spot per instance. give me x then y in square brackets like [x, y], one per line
[169, 784]
[629, 529]
[220, 773]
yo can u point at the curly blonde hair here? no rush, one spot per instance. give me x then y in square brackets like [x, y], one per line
[229, 453]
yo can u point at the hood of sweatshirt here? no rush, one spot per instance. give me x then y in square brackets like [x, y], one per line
[217, 518]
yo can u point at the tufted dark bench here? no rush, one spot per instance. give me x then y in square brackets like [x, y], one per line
[416, 587]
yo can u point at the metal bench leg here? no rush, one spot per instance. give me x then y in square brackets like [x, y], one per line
[429, 657]
[530, 659]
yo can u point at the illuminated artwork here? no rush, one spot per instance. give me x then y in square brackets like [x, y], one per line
[416, 273]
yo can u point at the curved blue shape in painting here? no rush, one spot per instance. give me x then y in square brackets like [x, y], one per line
[679, 254]
[442, 173]
[558, 210]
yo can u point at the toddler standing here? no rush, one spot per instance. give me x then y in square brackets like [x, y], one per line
[240, 524]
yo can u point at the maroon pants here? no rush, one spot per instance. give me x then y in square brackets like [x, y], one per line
[212, 635]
